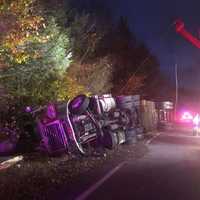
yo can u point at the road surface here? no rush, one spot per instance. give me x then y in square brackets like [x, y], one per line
[169, 171]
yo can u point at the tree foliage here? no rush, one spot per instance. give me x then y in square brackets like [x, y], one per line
[39, 39]
[134, 65]
[21, 26]
[36, 53]
[96, 76]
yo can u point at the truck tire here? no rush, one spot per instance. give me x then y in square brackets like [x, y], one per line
[135, 100]
[131, 118]
[110, 140]
[79, 105]
[125, 99]
[130, 136]
[129, 106]
[140, 130]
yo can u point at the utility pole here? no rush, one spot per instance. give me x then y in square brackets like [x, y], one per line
[176, 98]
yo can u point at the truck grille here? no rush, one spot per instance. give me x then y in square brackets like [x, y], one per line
[55, 134]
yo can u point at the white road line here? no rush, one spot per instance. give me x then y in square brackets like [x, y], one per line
[183, 136]
[149, 141]
[95, 186]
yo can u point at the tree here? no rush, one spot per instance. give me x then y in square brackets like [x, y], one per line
[134, 65]
[36, 53]
[96, 76]
[87, 34]
[22, 25]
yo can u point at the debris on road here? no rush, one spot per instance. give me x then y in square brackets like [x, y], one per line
[10, 162]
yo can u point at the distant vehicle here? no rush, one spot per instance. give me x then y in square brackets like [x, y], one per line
[186, 117]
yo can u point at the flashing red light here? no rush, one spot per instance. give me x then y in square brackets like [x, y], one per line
[186, 117]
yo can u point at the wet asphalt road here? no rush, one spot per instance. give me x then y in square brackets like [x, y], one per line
[169, 171]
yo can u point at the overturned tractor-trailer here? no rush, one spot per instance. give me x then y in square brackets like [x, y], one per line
[86, 123]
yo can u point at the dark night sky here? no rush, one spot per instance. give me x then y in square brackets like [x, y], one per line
[151, 21]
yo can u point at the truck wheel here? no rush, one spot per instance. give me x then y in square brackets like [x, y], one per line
[122, 100]
[130, 136]
[125, 99]
[140, 130]
[129, 106]
[110, 140]
[79, 104]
